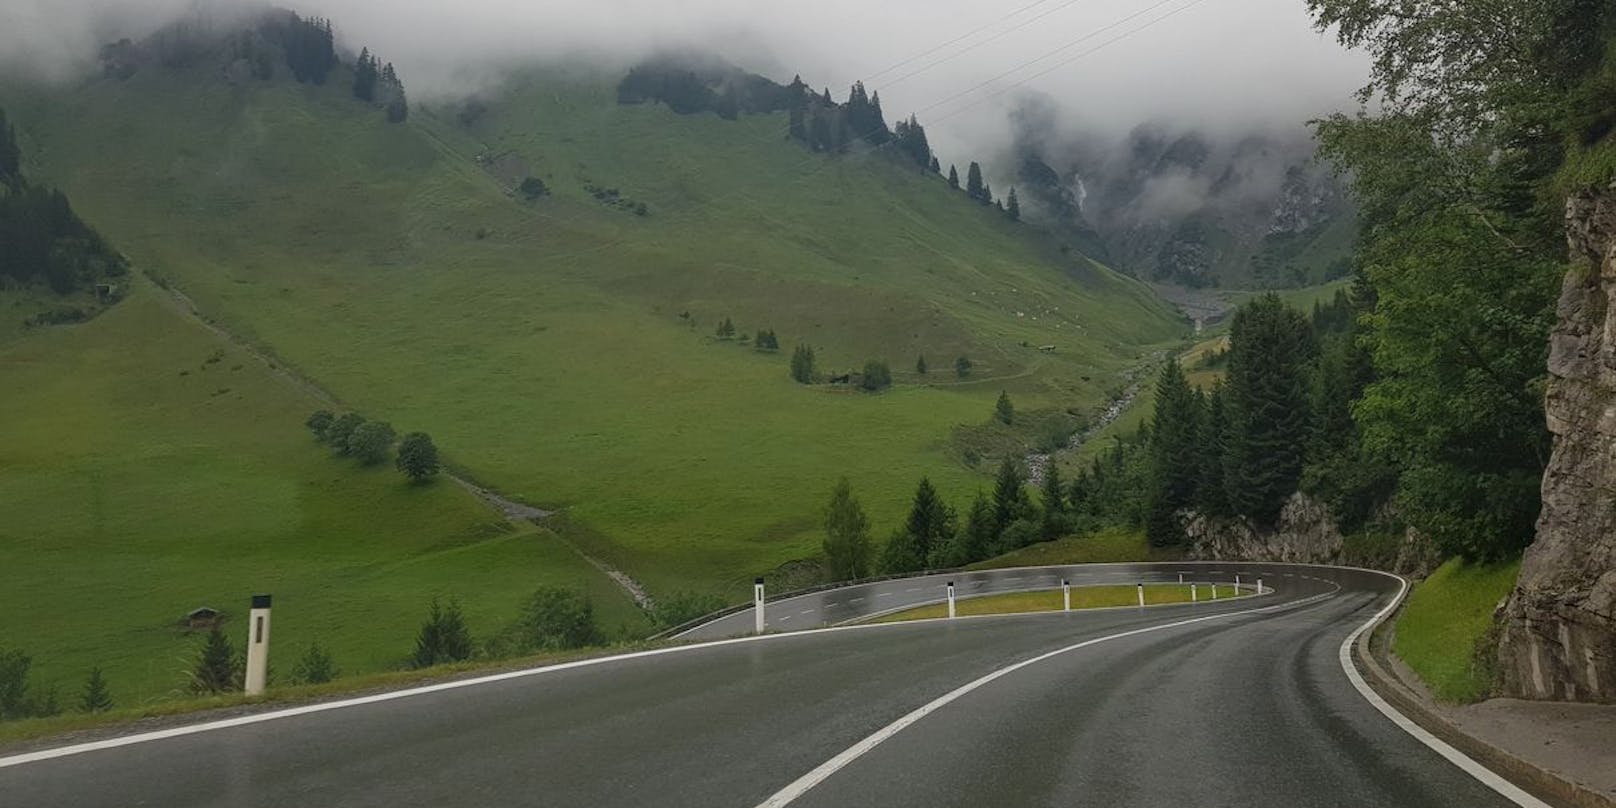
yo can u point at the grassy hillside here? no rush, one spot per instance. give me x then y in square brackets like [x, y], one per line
[541, 343]
[148, 468]
[1443, 630]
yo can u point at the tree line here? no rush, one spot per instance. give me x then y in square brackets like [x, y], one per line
[371, 443]
[44, 240]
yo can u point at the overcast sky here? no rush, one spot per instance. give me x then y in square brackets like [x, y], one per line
[1109, 64]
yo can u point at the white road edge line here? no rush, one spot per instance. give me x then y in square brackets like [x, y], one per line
[1467, 764]
[805, 783]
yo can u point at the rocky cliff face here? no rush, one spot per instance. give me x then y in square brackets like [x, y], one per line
[1305, 533]
[1558, 633]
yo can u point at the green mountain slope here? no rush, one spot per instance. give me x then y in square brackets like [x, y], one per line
[149, 468]
[541, 342]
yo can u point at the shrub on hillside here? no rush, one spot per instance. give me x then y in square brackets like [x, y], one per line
[337, 432]
[802, 364]
[682, 607]
[962, 367]
[320, 421]
[877, 376]
[553, 618]
[443, 637]
[314, 667]
[1004, 411]
[97, 696]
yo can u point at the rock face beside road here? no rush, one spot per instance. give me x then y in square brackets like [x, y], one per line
[1558, 635]
[1305, 533]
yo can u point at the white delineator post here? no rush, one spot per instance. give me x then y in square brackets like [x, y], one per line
[1141, 594]
[951, 600]
[1066, 593]
[1195, 596]
[1237, 583]
[257, 646]
[1214, 590]
[1259, 586]
[757, 604]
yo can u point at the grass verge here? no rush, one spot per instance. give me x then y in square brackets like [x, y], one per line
[1444, 629]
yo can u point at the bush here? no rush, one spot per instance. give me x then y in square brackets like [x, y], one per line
[532, 188]
[553, 619]
[682, 607]
[962, 367]
[1003, 410]
[443, 637]
[877, 376]
[14, 667]
[802, 364]
[314, 667]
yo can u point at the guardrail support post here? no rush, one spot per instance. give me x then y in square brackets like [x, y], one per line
[951, 600]
[1066, 593]
[257, 646]
[757, 604]
[1141, 594]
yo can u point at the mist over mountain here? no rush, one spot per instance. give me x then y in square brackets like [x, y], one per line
[1177, 203]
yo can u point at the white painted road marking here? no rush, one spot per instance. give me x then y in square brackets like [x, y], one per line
[805, 783]
[1466, 763]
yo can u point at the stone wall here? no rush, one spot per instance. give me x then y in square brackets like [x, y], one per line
[1305, 533]
[1557, 637]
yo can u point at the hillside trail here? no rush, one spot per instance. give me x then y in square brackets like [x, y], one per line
[182, 304]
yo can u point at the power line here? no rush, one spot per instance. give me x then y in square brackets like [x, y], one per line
[954, 41]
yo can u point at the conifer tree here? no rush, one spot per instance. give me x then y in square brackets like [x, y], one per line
[847, 539]
[930, 521]
[443, 636]
[962, 367]
[1003, 410]
[1210, 495]
[365, 76]
[953, 178]
[920, 364]
[1053, 491]
[802, 364]
[10, 154]
[1012, 206]
[97, 697]
[936, 166]
[1267, 406]
[215, 670]
[974, 187]
[1174, 448]
[1010, 501]
[975, 540]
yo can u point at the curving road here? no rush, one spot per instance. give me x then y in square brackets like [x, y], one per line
[1240, 702]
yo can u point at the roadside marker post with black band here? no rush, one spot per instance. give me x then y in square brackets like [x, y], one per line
[757, 603]
[257, 646]
[951, 600]
[1066, 593]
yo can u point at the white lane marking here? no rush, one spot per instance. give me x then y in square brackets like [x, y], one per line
[883, 594]
[856, 600]
[806, 611]
[783, 619]
[1466, 763]
[805, 783]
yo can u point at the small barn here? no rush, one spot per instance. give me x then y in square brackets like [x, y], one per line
[203, 618]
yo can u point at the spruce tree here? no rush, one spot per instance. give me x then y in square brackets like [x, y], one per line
[1003, 410]
[10, 154]
[847, 539]
[962, 367]
[215, 669]
[920, 364]
[953, 178]
[930, 521]
[974, 187]
[802, 364]
[1267, 406]
[1210, 495]
[1010, 501]
[976, 540]
[365, 76]
[97, 697]
[936, 166]
[1053, 491]
[1174, 450]
[1012, 206]
[443, 636]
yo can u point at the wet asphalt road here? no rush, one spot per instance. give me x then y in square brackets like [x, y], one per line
[1246, 708]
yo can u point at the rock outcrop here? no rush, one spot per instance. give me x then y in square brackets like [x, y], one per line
[1557, 637]
[1305, 533]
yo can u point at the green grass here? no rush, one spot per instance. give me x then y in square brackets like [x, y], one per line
[1447, 618]
[141, 480]
[1083, 597]
[1106, 546]
[542, 344]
